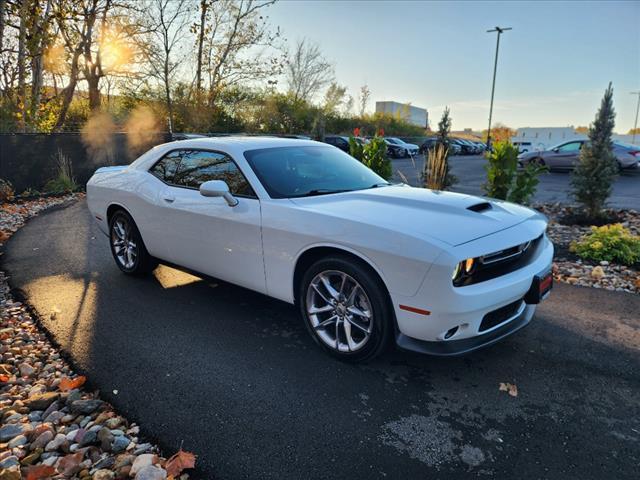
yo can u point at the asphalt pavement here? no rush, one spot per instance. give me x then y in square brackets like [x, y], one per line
[232, 376]
[554, 186]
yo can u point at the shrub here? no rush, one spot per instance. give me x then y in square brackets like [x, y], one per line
[442, 138]
[373, 155]
[64, 180]
[435, 168]
[612, 243]
[592, 178]
[6, 191]
[504, 181]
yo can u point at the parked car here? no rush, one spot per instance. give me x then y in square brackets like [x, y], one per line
[306, 223]
[465, 148]
[339, 141]
[400, 149]
[454, 148]
[566, 155]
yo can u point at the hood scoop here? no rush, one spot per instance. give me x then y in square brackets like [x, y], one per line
[480, 207]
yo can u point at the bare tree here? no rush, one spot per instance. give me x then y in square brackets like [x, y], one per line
[239, 45]
[307, 71]
[365, 94]
[334, 98]
[171, 20]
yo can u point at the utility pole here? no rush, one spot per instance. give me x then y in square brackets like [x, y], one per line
[500, 30]
[635, 125]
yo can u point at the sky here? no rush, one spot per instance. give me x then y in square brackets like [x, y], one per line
[553, 67]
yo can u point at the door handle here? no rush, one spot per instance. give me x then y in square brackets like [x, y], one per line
[168, 199]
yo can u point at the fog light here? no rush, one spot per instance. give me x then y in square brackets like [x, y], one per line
[450, 333]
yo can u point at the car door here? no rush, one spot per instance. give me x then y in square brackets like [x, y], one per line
[207, 235]
[565, 155]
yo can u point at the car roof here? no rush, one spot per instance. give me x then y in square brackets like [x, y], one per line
[231, 145]
[242, 143]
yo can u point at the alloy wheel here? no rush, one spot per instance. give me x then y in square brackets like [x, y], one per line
[339, 311]
[124, 246]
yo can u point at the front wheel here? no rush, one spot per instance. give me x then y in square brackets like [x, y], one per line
[127, 247]
[345, 308]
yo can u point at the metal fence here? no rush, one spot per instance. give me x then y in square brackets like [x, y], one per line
[28, 161]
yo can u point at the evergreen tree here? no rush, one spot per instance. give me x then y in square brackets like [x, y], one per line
[442, 138]
[593, 177]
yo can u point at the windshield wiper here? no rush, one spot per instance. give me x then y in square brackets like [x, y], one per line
[381, 184]
[323, 191]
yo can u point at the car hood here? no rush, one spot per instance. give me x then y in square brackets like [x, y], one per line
[452, 218]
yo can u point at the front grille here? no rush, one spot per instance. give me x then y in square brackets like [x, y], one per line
[500, 315]
[501, 263]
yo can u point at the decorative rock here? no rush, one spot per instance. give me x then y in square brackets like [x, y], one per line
[7, 432]
[18, 441]
[105, 437]
[88, 438]
[32, 458]
[86, 406]
[151, 472]
[9, 462]
[142, 461]
[42, 440]
[54, 417]
[12, 473]
[120, 444]
[104, 474]
[41, 401]
[58, 441]
[26, 370]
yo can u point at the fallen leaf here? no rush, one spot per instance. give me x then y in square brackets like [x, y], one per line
[69, 465]
[4, 378]
[509, 388]
[70, 383]
[37, 472]
[3, 236]
[180, 461]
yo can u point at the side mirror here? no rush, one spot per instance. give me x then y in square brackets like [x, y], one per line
[555, 150]
[218, 188]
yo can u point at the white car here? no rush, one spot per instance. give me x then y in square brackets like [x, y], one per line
[365, 261]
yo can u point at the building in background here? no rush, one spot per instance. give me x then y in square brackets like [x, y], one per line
[414, 115]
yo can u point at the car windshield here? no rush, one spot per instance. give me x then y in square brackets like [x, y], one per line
[288, 172]
[397, 141]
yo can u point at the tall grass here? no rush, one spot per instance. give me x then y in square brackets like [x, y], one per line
[64, 180]
[435, 168]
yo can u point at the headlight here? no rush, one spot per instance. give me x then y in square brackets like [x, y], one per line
[463, 268]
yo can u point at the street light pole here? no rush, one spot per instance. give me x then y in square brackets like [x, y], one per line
[635, 125]
[493, 85]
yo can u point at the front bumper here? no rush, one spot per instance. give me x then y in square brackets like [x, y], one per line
[467, 345]
[446, 319]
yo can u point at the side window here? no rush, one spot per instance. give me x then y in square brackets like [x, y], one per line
[198, 167]
[570, 147]
[166, 168]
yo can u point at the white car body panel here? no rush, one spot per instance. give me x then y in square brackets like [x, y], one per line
[411, 237]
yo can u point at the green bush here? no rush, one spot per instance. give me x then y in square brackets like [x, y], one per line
[373, 155]
[504, 181]
[612, 243]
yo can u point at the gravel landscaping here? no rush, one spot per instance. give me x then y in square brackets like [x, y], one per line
[569, 268]
[52, 426]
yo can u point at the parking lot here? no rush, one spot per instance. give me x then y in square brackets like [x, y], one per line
[233, 376]
[554, 186]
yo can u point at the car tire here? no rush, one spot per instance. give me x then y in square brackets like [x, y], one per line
[127, 248]
[361, 321]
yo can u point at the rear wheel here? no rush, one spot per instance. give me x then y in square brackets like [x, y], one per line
[127, 247]
[345, 308]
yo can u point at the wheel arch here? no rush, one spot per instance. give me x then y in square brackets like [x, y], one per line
[307, 257]
[113, 208]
